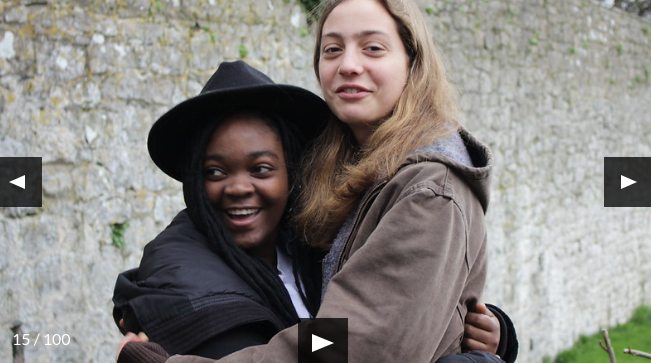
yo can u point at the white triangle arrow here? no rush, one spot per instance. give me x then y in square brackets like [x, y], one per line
[319, 343]
[19, 182]
[625, 182]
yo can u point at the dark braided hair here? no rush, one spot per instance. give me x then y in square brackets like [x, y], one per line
[261, 277]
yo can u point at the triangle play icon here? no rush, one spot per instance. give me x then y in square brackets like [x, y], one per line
[626, 182]
[319, 343]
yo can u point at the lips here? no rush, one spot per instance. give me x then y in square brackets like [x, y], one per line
[241, 216]
[351, 91]
[242, 211]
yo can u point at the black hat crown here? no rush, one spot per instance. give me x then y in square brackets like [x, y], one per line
[236, 75]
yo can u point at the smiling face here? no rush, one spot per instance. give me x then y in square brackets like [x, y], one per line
[363, 64]
[247, 183]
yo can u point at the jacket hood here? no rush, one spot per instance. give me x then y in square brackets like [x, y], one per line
[467, 156]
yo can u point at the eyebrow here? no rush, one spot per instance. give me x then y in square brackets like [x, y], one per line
[253, 155]
[358, 35]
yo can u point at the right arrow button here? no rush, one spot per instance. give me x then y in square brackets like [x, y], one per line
[626, 182]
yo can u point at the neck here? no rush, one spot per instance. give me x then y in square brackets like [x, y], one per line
[267, 251]
[268, 255]
[361, 133]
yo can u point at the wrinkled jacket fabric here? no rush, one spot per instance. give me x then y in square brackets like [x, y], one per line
[183, 288]
[414, 259]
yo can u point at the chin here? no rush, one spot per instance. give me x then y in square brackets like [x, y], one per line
[246, 245]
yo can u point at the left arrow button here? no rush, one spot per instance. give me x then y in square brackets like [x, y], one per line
[19, 182]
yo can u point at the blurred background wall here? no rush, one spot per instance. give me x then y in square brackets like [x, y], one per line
[552, 86]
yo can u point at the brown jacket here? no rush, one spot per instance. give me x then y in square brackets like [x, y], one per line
[415, 257]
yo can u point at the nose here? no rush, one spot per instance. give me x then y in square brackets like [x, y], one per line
[350, 64]
[239, 186]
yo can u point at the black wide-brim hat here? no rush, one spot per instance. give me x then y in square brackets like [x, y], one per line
[234, 86]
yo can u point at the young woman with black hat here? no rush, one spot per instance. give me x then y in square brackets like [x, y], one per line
[226, 273]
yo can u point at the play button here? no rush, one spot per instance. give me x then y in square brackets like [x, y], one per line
[21, 182]
[627, 182]
[323, 340]
[319, 343]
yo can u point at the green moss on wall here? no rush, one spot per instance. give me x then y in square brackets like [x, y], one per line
[309, 5]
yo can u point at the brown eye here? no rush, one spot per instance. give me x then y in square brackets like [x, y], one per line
[331, 50]
[262, 169]
[214, 174]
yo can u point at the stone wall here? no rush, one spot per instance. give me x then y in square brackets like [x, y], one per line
[552, 86]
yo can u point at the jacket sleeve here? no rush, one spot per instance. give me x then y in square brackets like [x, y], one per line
[233, 340]
[472, 357]
[508, 347]
[216, 347]
[400, 290]
[137, 352]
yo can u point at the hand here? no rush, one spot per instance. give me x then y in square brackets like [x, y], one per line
[481, 331]
[131, 337]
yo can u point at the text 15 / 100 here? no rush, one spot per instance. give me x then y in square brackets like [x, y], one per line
[48, 339]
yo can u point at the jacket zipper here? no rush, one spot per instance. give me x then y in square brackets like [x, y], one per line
[366, 202]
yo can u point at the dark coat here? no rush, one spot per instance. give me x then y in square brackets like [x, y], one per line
[170, 299]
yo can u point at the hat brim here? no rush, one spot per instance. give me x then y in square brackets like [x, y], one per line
[170, 136]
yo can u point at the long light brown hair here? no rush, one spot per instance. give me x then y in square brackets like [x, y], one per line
[339, 170]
